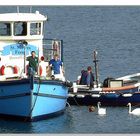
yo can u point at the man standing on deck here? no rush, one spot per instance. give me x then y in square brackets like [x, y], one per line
[56, 65]
[87, 77]
[33, 63]
[90, 77]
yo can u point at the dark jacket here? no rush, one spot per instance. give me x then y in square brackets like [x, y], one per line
[83, 80]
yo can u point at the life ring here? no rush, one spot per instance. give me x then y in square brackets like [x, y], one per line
[40, 70]
[26, 69]
[15, 70]
[2, 69]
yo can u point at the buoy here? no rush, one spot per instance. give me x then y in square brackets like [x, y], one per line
[80, 96]
[91, 109]
[71, 95]
[127, 95]
[74, 88]
[95, 95]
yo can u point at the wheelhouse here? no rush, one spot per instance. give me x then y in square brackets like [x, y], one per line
[21, 26]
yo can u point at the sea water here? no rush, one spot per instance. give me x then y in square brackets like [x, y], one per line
[114, 32]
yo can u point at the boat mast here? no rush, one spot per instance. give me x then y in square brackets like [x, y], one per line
[95, 60]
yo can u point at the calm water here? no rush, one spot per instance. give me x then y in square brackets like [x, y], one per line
[115, 33]
[77, 120]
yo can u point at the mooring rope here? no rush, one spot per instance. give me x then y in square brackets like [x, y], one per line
[35, 98]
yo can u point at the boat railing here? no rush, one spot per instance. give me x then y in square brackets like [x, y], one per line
[52, 47]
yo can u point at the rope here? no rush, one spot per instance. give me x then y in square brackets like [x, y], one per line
[68, 104]
[35, 99]
[76, 101]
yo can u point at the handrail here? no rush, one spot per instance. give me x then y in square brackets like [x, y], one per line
[50, 50]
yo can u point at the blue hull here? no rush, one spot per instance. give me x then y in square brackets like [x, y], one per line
[31, 101]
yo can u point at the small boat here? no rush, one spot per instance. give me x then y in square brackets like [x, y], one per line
[113, 92]
[22, 97]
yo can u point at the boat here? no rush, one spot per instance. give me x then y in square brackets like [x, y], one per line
[23, 97]
[112, 92]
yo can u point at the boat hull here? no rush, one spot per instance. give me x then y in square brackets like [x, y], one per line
[113, 101]
[32, 100]
[107, 98]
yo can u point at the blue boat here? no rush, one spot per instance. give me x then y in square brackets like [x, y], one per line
[23, 97]
[113, 92]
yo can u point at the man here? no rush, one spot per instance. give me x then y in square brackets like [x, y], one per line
[33, 63]
[90, 77]
[87, 77]
[56, 64]
[83, 79]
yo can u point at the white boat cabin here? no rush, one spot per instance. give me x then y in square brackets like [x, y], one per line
[20, 34]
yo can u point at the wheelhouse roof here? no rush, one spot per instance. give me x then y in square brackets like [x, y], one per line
[9, 17]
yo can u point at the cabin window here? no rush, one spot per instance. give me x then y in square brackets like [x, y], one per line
[35, 28]
[5, 29]
[20, 28]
